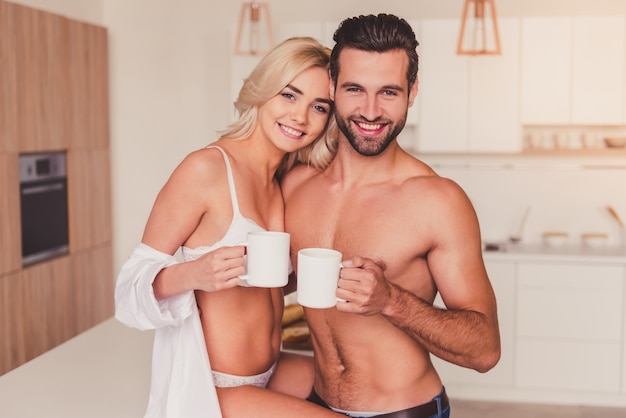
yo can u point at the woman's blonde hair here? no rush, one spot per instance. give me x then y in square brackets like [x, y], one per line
[272, 74]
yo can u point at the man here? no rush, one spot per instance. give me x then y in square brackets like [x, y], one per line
[405, 234]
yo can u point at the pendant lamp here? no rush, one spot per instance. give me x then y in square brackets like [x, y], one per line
[479, 29]
[254, 31]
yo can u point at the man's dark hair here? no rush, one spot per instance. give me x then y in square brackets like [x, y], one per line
[375, 33]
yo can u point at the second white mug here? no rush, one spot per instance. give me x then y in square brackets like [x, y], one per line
[318, 274]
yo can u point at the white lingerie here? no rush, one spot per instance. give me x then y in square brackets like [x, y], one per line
[224, 380]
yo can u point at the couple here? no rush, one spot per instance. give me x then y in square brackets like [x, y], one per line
[405, 234]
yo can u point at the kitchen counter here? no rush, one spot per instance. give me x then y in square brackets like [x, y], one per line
[542, 252]
[101, 373]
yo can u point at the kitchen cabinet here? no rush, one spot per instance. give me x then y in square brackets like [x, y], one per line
[546, 70]
[54, 79]
[468, 104]
[569, 326]
[598, 71]
[572, 70]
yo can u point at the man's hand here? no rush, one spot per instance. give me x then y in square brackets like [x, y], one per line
[363, 287]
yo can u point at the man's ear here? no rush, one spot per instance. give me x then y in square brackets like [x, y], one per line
[331, 92]
[413, 92]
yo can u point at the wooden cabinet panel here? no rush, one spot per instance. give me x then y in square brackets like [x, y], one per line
[12, 348]
[89, 188]
[93, 289]
[8, 85]
[41, 60]
[49, 314]
[10, 230]
[88, 93]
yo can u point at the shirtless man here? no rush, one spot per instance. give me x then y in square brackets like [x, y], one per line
[405, 234]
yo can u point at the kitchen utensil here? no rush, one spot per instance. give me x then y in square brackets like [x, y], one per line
[517, 237]
[615, 216]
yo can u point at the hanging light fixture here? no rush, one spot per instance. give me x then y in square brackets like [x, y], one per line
[254, 32]
[479, 29]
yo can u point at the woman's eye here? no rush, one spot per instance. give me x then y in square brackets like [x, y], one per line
[320, 108]
[288, 96]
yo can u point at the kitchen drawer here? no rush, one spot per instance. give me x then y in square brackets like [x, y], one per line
[581, 366]
[570, 301]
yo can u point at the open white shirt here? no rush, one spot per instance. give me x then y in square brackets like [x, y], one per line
[182, 384]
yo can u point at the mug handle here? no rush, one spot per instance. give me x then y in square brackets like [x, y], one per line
[243, 279]
[339, 299]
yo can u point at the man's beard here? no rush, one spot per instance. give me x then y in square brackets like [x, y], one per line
[365, 145]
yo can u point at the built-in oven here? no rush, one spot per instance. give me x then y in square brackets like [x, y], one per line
[43, 206]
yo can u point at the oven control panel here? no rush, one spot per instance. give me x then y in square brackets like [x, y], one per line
[42, 166]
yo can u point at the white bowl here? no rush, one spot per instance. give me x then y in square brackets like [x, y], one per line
[594, 239]
[555, 238]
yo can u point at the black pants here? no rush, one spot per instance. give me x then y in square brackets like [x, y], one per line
[426, 410]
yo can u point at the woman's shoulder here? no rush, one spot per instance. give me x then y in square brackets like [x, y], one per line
[295, 177]
[201, 165]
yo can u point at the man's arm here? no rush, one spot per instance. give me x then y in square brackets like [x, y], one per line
[466, 333]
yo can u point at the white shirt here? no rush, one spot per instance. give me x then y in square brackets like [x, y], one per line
[182, 384]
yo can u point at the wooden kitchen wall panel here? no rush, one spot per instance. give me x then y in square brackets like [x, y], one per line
[92, 282]
[12, 348]
[48, 305]
[89, 189]
[41, 79]
[88, 68]
[10, 229]
[8, 117]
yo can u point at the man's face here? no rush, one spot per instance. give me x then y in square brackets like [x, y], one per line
[372, 98]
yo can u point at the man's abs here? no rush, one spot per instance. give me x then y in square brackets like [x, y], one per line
[367, 364]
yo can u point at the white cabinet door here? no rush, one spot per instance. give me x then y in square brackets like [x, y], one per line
[502, 276]
[443, 88]
[468, 103]
[494, 124]
[598, 70]
[546, 60]
[569, 326]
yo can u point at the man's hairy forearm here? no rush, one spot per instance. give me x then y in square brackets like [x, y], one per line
[463, 337]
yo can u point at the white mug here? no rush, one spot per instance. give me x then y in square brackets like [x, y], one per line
[318, 274]
[267, 259]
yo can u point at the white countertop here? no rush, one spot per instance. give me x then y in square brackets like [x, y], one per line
[567, 253]
[101, 373]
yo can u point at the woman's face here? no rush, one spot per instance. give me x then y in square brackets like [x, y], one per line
[297, 115]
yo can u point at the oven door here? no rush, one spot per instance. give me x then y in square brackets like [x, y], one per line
[44, 211]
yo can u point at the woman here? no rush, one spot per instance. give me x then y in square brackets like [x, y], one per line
[209, 330]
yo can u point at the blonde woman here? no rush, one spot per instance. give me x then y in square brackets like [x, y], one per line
[216, 340]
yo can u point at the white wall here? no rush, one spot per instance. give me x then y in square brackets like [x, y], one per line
[170, 93]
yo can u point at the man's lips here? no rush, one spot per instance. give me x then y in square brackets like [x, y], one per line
[370, 127]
